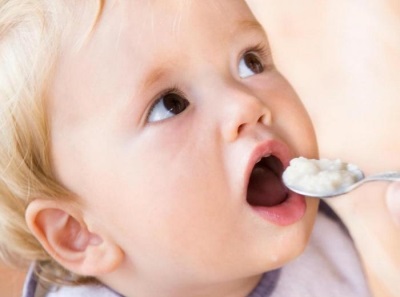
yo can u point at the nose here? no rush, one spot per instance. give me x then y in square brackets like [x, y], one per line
[243, 111]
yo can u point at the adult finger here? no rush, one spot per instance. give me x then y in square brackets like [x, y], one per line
[393, 201]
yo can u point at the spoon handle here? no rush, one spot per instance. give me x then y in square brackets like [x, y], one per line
[387, 176]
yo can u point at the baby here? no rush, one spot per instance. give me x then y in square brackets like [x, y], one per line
[142, 148]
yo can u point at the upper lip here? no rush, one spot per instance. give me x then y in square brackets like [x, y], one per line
[267, 148]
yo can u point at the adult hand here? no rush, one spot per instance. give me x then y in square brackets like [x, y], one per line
[393, 201]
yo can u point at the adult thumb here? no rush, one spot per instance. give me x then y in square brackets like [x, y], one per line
[393, 201]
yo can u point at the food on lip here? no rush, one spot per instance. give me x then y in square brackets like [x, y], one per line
[321, 177]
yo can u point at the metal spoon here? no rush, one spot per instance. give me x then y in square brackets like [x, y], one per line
[384, 176]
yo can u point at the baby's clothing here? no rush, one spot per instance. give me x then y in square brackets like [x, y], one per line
[329, 267]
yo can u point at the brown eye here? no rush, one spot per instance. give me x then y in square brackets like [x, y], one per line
[250, 64]
[167, 106]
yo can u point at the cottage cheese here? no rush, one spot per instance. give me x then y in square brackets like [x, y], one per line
[320, 177]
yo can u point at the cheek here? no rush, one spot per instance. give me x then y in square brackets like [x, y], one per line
[163, 192]
[299, 133]
[173, 222]
[290, 119]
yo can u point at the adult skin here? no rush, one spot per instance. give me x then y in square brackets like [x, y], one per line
[393, 201]
[342, 58]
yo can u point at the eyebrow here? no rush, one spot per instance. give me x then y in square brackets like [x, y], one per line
[154, 76]
[158, 73]
[247, 25]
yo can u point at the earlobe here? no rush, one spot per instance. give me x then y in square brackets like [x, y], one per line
[65, 236]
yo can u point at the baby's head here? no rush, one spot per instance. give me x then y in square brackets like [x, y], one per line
[131, 135]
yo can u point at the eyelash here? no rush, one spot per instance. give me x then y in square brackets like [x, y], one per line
[172, 90]
[259, 49]
[262, 52]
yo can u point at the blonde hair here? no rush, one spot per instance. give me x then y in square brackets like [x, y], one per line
[31, 33]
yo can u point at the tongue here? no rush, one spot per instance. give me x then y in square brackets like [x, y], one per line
[265, 188]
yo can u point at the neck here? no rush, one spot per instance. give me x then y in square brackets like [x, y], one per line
[154, 287]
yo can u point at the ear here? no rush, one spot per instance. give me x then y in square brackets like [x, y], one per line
[64, 235]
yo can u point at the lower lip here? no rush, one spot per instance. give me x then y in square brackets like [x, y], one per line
[288, 212]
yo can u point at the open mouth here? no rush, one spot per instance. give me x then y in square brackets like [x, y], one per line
[265, 187]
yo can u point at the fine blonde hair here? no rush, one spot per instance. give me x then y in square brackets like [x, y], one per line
[31, 34]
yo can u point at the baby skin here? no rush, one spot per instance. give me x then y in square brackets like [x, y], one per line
[158, 119]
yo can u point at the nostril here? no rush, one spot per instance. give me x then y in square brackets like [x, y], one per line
[265, 119]
[240, 128]
[246, 115]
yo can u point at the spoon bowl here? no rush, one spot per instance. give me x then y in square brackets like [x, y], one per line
[384, 176]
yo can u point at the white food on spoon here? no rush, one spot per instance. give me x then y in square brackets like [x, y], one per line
[320, 177]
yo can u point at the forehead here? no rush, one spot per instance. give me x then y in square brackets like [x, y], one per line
[130, 37]
[157, 22]
[134, 27]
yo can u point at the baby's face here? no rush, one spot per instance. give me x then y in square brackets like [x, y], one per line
[157, 123]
